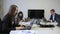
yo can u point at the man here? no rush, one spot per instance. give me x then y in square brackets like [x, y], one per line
[53, 16]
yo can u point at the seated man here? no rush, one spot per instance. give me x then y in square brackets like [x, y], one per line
[53, 16]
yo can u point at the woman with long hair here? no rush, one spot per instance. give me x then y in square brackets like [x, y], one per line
[7, 25]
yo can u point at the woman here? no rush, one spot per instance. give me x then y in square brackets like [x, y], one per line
[20, 16]
[18, 19]
[7, 20]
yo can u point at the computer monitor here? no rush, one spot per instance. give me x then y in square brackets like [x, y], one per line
[36, 13]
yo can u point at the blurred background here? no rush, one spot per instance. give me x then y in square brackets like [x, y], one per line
[24, 5]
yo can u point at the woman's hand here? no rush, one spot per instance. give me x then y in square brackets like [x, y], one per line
[19, 28]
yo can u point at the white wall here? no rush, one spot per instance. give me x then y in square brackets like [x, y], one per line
[24, 5]
[1, 9]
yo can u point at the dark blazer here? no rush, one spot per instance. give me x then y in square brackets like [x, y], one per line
[7, 24]
[56, 16]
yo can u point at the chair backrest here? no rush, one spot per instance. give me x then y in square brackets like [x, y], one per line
[58, 19]
[0, 20]
[0, 25]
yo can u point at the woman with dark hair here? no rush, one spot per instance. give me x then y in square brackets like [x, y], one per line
[18, 19]
[7, 20]
[20, 16]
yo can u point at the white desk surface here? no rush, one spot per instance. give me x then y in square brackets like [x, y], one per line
[38, 30]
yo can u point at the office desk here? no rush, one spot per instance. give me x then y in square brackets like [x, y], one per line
[38, 30]
[37, 27]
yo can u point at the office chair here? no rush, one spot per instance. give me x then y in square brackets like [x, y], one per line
[58, 20]
[0, 25]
